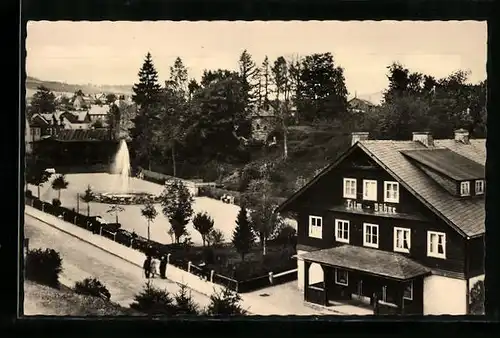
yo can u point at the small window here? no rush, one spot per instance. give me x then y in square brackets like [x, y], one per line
[315, 226]
[342, 231]
[370, 190]
[402, 239]
[479, 187]
[408, 292]
[341, 277]
[464, 188]
[436, 244]
[370, 238]
[391, 192]
[350, 188]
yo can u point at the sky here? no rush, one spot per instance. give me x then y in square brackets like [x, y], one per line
[112, 53]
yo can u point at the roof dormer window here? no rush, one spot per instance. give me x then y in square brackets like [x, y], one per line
[479, 187]
[465, 188]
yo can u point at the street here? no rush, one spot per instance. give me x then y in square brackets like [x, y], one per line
[82, 260]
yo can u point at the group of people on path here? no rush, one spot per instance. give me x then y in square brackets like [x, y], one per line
[150, 267]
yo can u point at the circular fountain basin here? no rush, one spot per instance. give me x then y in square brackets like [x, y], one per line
[126, 198]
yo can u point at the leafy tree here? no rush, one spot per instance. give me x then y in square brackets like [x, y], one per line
[60, 183]
[203, 223]
[322, 92]
[193, 87]
[88, 197]
[176, 202]
[43, 266]
[115, 209]
[215, 238]
[92, 287]
[249, 74]
[179, 77]
[147, 96]
[477, 298]
[283, 103]
[110, 98]
[153, 301]
[218, 121]
[185, 305]
[149, 213]
[243, 237]
[43, 101]
[212, 76]
[113, 120]
[225, 303]
[35, 174]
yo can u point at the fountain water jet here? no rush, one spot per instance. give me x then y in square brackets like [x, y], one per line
[121, 167]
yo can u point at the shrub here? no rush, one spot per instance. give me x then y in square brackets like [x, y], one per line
[153, 301]
[184, 302]
[56, 202]
[92, 287]
[225, 303]
[44, 266]
[477, 298]
[215, 238]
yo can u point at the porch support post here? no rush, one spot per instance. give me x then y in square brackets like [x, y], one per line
[399, 297]
[326, 282]
[306, 278]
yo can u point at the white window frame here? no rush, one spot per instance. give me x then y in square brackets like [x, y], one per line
[462, 185]
[391, 199]
[315, 231]
[342, 223]
[430, 251]
[350, 180]
[403, 231]
[346, 277]
[410, 283]
[373, 196]
[372, 226]
[476, 185]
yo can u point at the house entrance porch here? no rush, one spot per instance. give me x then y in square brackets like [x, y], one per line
[384, 284]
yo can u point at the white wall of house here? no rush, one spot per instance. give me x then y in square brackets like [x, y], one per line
[444, 296]
[315, 272]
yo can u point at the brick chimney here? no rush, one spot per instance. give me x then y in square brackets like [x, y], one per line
[423, 137]
[359, 136]
[462, 136]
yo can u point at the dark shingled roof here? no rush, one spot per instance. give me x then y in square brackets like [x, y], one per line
[76, 135]
[368, 260]
[448, 163]
[465, 214]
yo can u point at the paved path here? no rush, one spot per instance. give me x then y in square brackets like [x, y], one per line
[90, 244]
[80, 260]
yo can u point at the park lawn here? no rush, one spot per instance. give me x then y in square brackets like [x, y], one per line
[47, 301]
[224, 215]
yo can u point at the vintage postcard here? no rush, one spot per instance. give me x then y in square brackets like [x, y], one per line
[255, 168]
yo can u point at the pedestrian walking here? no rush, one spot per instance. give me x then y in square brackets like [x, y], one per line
[154, 270]
[163, 267]
[147, 266]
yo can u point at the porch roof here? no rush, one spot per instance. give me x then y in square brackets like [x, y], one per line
[372, 261]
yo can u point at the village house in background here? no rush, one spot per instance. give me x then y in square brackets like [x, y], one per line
[358, 105]
[399, 221]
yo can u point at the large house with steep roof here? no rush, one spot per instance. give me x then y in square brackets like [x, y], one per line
[399, 223]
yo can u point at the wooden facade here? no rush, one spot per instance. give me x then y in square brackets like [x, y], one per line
[464, 258]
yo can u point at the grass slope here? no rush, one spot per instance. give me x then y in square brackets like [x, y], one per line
[46, 301]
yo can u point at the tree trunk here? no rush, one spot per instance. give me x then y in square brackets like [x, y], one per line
[59, 194]
[264, 247]
[173, 160]
[116, 215]
[285, 143]
[149, 237]
[38, 188]
[88, 209]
